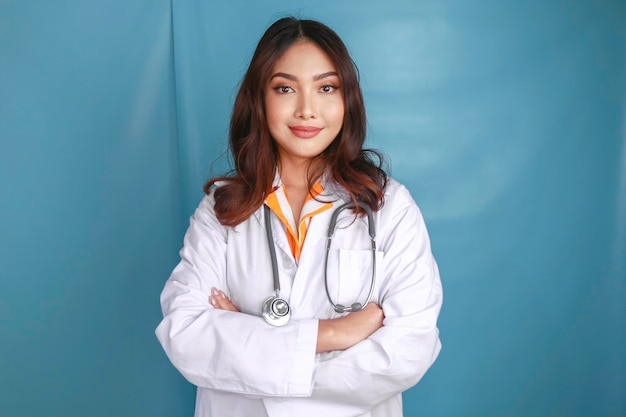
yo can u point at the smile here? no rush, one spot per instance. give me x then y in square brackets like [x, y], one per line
[305, 132]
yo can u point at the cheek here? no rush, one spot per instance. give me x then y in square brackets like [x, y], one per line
[335, 112]
[271, 112]
[275, 109]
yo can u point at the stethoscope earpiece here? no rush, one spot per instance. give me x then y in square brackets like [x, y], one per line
[340, 308]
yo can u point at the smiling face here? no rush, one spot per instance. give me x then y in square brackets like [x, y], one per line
[303, 103]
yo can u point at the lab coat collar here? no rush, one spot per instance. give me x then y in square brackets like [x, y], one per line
[333, 192]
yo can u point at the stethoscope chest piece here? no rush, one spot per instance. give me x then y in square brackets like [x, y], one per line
[276, 311]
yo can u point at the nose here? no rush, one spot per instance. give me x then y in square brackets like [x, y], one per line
[306, 106]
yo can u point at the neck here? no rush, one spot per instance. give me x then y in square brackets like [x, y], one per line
[294, 176]
[296, 173]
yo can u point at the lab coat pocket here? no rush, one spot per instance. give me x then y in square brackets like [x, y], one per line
[355, 276]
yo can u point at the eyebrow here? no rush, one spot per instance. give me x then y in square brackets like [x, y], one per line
[315, 78]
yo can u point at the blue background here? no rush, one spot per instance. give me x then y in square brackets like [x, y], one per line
[506, 120]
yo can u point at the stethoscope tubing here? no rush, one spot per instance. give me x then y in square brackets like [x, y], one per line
[276, 311]
[270, 243]
[356, 306]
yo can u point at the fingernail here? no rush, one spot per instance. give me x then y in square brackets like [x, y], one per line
[214, 291]
[222, 294]
[212, 301]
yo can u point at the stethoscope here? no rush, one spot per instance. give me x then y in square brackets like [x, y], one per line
[275, 310]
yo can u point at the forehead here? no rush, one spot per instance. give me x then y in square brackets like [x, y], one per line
[304, 58]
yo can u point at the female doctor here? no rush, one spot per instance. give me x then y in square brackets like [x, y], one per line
[283, 303]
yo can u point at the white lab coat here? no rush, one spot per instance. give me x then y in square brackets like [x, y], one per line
[245, 367]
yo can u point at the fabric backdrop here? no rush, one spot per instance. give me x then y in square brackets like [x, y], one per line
[507, 121]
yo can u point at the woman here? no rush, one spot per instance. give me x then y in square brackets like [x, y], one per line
[296, 137]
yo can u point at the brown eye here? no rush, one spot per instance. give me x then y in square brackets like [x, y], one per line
[283, 89]
[328, 88]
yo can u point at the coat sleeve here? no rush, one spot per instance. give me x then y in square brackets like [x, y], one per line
[224, 350]
[396, 356]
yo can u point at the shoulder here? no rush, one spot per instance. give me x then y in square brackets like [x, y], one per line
[399, 210]
[397, 197]
[207, 204]
[400, 222]
[205, 212]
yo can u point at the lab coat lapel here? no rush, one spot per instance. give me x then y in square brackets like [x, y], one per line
[313, 253]
[278, 229]
[280, 239]
[318, 228]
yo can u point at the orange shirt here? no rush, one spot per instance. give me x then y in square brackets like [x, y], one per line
[278, 202]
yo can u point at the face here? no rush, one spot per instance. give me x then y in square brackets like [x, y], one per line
[303, 103]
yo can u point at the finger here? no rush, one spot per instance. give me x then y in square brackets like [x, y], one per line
[220, 301]
[221, 304]
[225, 303]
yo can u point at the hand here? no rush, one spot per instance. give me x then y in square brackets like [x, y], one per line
[334, 334]
[345, 332]
[220, 301]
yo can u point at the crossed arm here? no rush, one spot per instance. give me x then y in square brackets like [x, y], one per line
[333, 334]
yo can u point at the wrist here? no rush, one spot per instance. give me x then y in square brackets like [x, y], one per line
[328, 336]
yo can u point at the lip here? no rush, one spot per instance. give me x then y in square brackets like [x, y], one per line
[305, 132]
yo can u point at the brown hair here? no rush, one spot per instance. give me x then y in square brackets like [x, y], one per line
[253, 150]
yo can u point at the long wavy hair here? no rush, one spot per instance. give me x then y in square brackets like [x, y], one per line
[254, 152]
